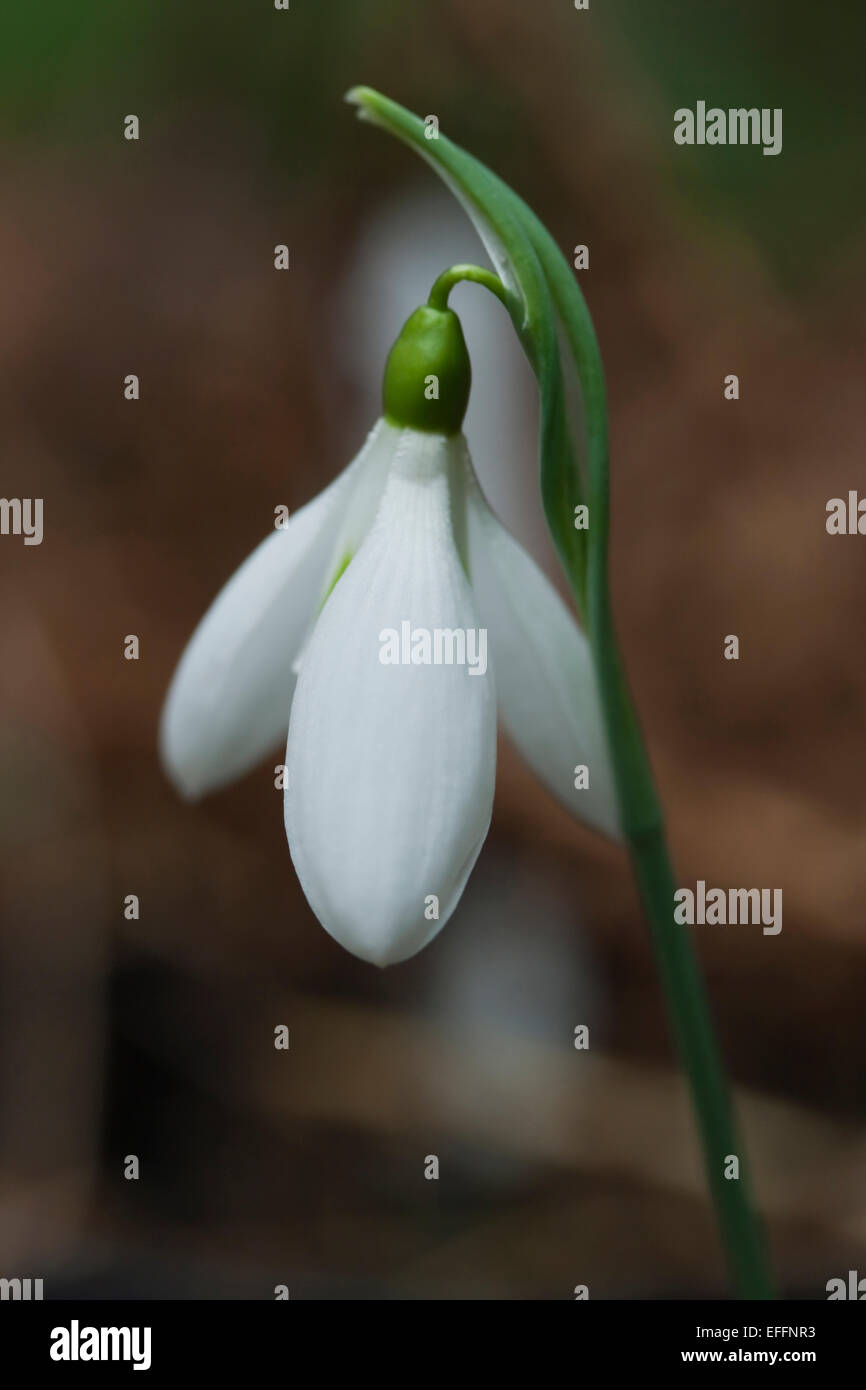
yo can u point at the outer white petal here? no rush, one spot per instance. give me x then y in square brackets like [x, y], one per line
[545, 679]
[391, 767]
[229, 699]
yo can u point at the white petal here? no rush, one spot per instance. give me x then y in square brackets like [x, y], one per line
[545, 680]
[229, 699]
[391, 767]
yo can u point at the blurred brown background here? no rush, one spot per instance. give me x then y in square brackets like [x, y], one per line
[155, 1037]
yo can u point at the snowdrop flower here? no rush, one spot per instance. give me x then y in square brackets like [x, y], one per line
[381, 627]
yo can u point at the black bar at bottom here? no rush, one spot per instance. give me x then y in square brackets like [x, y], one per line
[162, 1339]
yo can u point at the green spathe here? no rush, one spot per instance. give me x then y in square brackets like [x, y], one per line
[427, 375]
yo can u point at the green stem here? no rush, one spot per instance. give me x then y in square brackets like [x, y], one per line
[684, 991]
[444, 284]
[643, 823]
[681, 980]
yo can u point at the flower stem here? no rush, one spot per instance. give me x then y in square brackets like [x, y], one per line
[684, 991]
[442, 287]
[640, 811]
[681, 981]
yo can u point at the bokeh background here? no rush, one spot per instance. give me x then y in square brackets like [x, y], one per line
[155, 1037]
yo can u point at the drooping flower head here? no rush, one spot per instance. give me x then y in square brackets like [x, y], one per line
[381, 627]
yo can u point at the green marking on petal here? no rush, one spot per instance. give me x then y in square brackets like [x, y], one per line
[338, 575]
